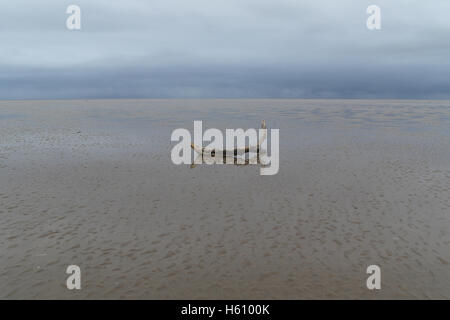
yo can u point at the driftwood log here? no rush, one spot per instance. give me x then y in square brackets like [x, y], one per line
[211, 153]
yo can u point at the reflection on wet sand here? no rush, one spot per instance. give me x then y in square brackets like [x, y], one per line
[236, 156]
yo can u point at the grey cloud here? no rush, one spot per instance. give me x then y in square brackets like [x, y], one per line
[234, 48]
[326, 81]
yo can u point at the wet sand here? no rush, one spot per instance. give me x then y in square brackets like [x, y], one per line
[91, 183]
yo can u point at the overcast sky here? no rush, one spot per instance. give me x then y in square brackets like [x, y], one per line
[224, 48]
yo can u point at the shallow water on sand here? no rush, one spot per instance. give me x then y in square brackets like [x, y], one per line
[91, 183]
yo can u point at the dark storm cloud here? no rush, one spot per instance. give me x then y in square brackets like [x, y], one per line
[325, 81]
[244, 48]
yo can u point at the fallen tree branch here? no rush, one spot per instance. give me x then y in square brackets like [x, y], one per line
[236, 151]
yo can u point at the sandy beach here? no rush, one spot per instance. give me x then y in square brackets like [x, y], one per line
[91, 183]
